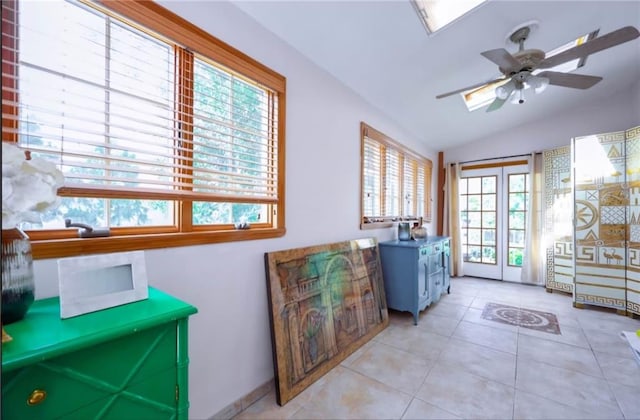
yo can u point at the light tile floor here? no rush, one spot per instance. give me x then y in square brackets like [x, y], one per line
[455, 364]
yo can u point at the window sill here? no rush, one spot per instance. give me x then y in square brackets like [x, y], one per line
[57, 248]
[376, 225]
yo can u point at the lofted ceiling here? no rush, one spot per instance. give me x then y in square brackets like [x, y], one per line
[381, 50]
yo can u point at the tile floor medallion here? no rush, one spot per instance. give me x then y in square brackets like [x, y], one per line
[521, 317]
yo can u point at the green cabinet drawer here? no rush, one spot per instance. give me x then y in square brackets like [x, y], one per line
[152, 398]
[85, 376]
[132, 367]
[36, 392]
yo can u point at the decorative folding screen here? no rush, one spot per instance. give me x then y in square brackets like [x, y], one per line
[606, 183]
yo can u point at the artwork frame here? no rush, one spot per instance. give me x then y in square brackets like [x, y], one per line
[325, 302]
[94, 282]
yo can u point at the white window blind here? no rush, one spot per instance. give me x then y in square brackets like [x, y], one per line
[409, 186]
[395, 181]
[371, 177]
[420, 190]
[392, 183]
[130, 114]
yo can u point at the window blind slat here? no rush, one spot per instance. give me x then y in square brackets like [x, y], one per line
[98, 98]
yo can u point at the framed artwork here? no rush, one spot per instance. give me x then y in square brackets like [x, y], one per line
[325, 302]
[94, 282]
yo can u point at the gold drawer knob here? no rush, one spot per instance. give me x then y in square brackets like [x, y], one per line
[36, 397]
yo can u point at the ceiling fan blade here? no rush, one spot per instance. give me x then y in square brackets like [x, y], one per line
[620, 36]
[495, 105]
[502, 95]
[576, 81]
[444, 95]
[503, 59]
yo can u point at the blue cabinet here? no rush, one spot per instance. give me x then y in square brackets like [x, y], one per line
[415, 273]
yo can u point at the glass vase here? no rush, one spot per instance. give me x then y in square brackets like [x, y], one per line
[18, 285]
[404, 231]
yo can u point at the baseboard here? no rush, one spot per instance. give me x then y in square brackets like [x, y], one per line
[237, 406]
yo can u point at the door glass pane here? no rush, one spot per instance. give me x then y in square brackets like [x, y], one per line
[489, 202]
[489, 219]
[475, 219]
[474, 237]
[516, 238]
[516, 182]
[474, 186]
[518, 196]
[473, 255]
[462, 186]
[488, 184]
[488, 236]
[517, 201]
[489, 255]
[515, 256]
[516, 220]
[474, 202]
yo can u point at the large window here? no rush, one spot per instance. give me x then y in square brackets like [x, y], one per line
[159, 128]
[396, 182]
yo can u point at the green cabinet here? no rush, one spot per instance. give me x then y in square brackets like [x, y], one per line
[129, 361]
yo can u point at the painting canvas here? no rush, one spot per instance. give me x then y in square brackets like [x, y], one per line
[325, 302]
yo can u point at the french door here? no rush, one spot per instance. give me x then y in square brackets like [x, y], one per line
[494, 199]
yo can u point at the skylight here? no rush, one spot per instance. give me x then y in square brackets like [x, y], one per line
[436, 14]
[482, 96]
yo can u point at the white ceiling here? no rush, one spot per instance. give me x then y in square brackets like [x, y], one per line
[381, 50]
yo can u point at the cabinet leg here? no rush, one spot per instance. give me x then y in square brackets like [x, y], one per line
[448, 290]
[415, 318]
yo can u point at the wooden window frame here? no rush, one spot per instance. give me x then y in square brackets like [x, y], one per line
[386, 142]
[149, 16]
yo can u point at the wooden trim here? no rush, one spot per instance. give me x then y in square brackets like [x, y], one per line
[428, 194]
[442, 174]
[10, 71]
[69, 247]
[380, 137]
[184, 74]
[495, 165]
[280, 136]
[159, 19]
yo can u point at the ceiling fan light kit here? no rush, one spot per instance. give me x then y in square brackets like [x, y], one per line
[522, 68]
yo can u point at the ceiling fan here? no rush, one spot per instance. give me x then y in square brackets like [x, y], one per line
[518, 68]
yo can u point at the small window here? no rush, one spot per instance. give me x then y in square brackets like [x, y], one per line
[396, 182]
[158, 127]
[436, 14]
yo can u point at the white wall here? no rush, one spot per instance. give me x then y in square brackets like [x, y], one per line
[635, 91]
[615, 113]
[230, 346]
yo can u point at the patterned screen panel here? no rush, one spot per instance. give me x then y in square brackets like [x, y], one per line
[600, 206]
[633, 181]
[558, 226]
